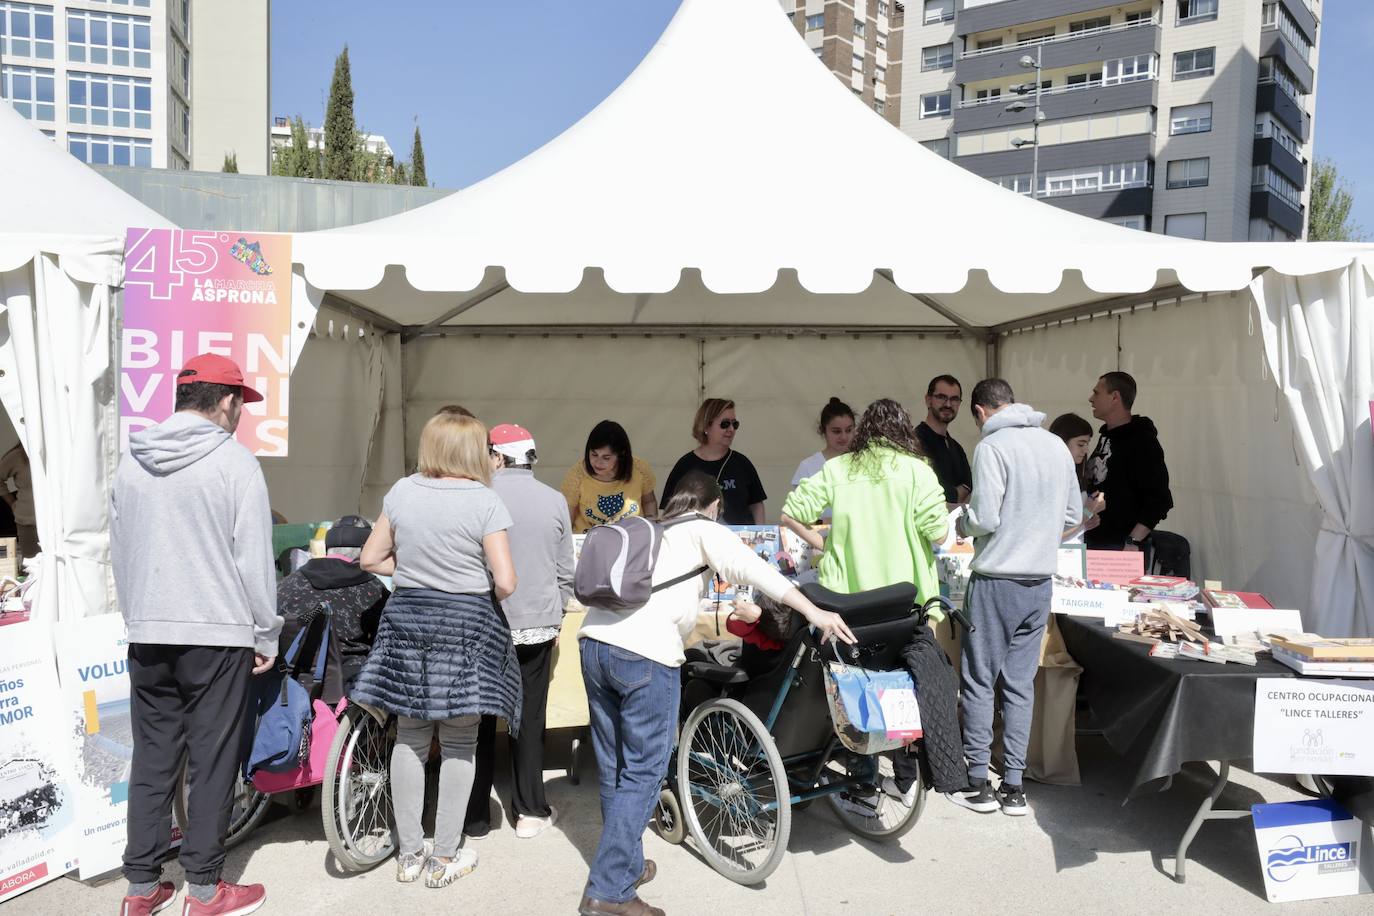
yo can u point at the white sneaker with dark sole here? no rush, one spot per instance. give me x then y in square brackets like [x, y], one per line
[442, 874]
[975, 798]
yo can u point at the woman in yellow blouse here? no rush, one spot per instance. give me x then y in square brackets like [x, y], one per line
[609, 483]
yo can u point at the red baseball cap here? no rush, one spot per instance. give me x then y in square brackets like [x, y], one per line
[511, 440]
[210, 367]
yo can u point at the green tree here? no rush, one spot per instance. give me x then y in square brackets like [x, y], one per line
[1328, 208]
[340, 128]
[417, 161]
[400, 176]
[231, 163]
[299, 158]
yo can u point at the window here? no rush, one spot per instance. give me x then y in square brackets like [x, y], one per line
[1102, 126]
[1190, 11]
[1140, 17]
[1130, 222]
[879, 74]
[935, 105]
[937, 57]
[101, 150]
[1186, 225]
[1021, 184]
[1272, 70]
[1266, 179]
[1035, 35]
[987, 95]
[879, 106]
[30, 91]
[1090, 25]
[1275, 16]
[815, 22]
[1188, 173]
[820, 52]
[181, 67]
[939, 11]
[859, 28]
[858, 63]
[1120, 175]
[882, 8]
[1266, 126]
[25, 30]
[987, 44]
[109, 39]
[1193, 64]
[109, 101]
[881, 40]
[1129, 69]
[1084, 79]
[1083, 180]
[1190, 119]
[939, 147]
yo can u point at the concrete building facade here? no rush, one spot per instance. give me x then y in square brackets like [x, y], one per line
[861, 42]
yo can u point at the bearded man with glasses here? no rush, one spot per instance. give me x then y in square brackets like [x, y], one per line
[944, 395]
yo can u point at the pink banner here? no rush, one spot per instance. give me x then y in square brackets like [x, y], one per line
[188, 292]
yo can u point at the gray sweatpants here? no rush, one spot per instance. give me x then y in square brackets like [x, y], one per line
[1009, 616]
[458, 748]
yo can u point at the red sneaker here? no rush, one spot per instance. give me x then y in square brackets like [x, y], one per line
[159, 898]
[229, 900]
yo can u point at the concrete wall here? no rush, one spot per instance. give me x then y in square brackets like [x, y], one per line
[231, 84]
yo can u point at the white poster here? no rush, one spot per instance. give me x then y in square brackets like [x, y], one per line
[93, 664]
[1307, 726]
[38, 828]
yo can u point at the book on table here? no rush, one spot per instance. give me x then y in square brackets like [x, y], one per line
[1309, 668]
[1358, 649]
[1215, 597]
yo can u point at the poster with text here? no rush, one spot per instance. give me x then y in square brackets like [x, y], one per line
[188, 292]
[1305, 725]
[38, 825]
[93, 666]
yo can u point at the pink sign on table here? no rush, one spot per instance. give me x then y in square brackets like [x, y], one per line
[188, 292]
[1117, 567]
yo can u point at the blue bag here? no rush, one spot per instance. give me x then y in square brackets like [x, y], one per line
[873, 711]
[281, 741]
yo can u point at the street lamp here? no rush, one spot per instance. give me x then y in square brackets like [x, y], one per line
[1030, 63]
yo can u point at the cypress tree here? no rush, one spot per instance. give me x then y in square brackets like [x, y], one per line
[399, 176]
[231, 162]
[340, 129]
[417, 161]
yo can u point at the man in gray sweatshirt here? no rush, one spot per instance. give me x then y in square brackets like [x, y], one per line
[191, 544]
[1025, 493]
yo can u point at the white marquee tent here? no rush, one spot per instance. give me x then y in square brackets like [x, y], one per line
[669, 245]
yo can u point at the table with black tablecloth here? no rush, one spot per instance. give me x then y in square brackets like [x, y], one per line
[1162, 713]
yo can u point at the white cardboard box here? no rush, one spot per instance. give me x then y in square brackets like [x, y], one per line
[1309, 849]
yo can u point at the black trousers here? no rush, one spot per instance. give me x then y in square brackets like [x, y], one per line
[526, 752]
[186, 703]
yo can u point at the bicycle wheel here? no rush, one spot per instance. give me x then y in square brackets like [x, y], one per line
[866, 809]
[355, 803]
[247, 811]
[734, 794]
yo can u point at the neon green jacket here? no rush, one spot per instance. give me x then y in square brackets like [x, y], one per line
[885, 512]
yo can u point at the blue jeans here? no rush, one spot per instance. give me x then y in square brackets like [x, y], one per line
[633, 704]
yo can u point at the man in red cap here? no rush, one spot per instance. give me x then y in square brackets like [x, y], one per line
[191, 544]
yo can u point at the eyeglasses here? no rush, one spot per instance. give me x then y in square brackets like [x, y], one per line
[729, 424]
[947, 399]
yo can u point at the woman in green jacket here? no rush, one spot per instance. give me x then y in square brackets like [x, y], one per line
[887, 508]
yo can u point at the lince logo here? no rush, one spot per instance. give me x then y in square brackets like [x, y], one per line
[1289, 857]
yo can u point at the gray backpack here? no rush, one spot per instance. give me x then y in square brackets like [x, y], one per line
[616, 569]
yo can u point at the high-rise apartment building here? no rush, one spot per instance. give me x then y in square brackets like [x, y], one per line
[1186, 117]
[118, 81]
[860, 41]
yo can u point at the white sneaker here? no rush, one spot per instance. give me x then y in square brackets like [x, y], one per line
[527, 828]
[442, 874]
[907, 798]
[408, 866]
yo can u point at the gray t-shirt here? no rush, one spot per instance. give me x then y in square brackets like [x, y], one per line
[438, 526]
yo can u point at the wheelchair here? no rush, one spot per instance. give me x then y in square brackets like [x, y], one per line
[751, 749]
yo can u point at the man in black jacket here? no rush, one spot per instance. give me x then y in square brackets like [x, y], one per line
[1127, 467]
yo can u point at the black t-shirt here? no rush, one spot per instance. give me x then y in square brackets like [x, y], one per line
[947, 460]
[739, 484]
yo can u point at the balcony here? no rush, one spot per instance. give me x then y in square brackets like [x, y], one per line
[1002, 14]
[1086, 98]
[1269, 151]
[1274, 43]
[1304, 13]
[1106, 204]
[1265, 204]
[1272, 98]
[1056, 157]
[1066, 50]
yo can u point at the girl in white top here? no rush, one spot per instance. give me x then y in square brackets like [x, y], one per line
[1077, 434]
[837, 428]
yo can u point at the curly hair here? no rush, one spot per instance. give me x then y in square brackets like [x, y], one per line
[884, 423]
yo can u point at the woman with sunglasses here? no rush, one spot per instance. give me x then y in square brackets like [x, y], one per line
[714, 428]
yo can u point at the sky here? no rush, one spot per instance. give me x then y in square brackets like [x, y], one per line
[490, 82]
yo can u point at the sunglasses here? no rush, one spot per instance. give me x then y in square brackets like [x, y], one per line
[729, 424]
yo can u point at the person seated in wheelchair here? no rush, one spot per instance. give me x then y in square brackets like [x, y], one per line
[353, 597]
[764, 627]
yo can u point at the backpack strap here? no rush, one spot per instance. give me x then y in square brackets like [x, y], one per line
[678, 580]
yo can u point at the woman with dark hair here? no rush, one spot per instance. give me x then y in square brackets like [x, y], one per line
[609, 483]
[630, 662]
[1077, 434]
[837, 429]
[714, 428]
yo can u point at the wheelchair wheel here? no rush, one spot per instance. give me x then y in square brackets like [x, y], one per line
[356, 800]
[668, 818]
[733, 791]
[246, 811]
[874, 814]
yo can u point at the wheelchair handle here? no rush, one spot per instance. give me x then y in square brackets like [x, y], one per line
[955, 613]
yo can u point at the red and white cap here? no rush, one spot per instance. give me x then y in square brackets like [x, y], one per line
[210, 367]
[513, 441]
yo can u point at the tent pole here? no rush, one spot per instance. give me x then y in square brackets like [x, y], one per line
[691, 331]
[993, 346]
[470, 303]
[349, 307]
[1101, 306]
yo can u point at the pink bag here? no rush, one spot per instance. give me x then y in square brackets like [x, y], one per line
[322, 729]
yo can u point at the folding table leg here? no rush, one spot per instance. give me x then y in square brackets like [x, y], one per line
[1205, 812]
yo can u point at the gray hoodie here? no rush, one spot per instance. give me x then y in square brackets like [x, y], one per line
[191, 539]
[1025, 493]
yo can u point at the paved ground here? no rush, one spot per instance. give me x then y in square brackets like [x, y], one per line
[1080, 851]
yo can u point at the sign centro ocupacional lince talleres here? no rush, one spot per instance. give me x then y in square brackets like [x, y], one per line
[188, 292]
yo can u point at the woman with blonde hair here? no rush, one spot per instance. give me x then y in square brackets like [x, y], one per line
[714, 428]
[443, 657]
